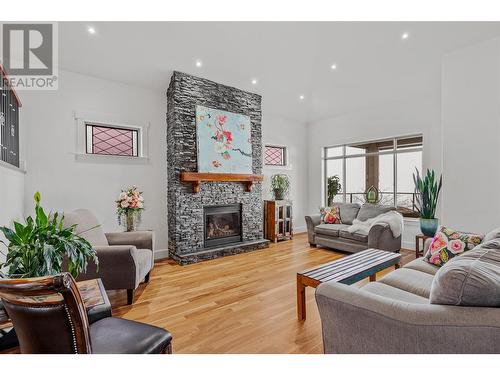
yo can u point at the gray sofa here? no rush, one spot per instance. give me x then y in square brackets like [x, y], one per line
[399, 314]
[336, 237]
[125, 258]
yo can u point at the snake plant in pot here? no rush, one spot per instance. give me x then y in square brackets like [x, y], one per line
[427, 191]
[280, 185]
[38, 247]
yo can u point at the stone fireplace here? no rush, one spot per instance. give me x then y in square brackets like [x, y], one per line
[217, 218]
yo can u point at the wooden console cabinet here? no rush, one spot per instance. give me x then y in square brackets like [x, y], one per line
[278, 220]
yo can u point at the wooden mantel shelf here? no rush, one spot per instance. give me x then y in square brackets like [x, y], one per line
[197, 178]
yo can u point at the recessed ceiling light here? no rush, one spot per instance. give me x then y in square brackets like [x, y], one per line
[405, 36]
[199, 63]
[91, 30]
[301, 97]
[334, 66]
[254, 81]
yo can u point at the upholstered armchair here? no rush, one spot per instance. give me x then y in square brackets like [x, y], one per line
[125, 259]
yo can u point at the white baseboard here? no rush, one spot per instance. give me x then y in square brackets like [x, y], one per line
[410, 245]
[161, 254]
[300, 229]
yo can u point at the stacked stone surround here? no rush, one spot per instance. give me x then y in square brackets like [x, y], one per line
[185, 208]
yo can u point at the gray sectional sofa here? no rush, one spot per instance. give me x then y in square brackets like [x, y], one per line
[336, 236]
[419, 308]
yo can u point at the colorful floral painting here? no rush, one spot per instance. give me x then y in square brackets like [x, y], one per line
[448, 243]
[224, 141]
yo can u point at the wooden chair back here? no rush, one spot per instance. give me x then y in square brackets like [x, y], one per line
[48, 314]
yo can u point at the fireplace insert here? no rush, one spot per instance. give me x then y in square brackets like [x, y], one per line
[222, 224]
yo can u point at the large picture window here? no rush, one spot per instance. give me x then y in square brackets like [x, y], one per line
[388, 165]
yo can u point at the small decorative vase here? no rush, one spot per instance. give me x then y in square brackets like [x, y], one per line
[278, 194]
[429, 226]
[130, 221]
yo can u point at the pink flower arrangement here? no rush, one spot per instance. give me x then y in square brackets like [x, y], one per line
[130, 199]
[129, 206]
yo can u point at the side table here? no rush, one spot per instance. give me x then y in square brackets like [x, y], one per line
[420, 238]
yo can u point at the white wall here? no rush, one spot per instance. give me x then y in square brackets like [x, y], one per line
[419, 114]
[66, 183]
[11, 200]
[277, 130]
[471, 137]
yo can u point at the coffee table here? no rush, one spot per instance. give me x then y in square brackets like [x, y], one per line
[347, 270]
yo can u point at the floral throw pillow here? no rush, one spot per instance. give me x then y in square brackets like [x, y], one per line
[448, 243]
[330, 215]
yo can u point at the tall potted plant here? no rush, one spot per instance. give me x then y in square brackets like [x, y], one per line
[334, 187]
[280, 184]
[427, 191]
[37, 247]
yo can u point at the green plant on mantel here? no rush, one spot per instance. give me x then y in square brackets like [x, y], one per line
[37, 247]
[427, 191]
[280, 185]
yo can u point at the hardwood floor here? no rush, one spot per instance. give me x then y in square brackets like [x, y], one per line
[239, 304]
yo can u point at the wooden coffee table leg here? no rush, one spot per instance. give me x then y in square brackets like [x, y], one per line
[301, 299]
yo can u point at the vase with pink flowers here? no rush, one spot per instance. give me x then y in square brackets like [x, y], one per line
[129, 207]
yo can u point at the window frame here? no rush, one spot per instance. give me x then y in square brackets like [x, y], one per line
[285, 164]
[83, 120]
[10, 137]
[91, 125]
[394, 151]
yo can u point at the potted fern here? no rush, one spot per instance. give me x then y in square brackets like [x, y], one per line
[427, 191]
[280, 185]
[38, 247]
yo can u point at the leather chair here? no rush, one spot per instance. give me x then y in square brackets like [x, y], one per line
[50, 317]
[125, 259]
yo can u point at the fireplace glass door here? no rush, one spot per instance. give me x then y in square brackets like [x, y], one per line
[222, 225]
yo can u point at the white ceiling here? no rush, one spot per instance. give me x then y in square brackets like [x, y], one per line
[288, 59]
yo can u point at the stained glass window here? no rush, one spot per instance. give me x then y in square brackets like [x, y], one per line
[107, 140]
[275, 155]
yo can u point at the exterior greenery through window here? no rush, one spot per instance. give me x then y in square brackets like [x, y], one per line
[387, 165]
